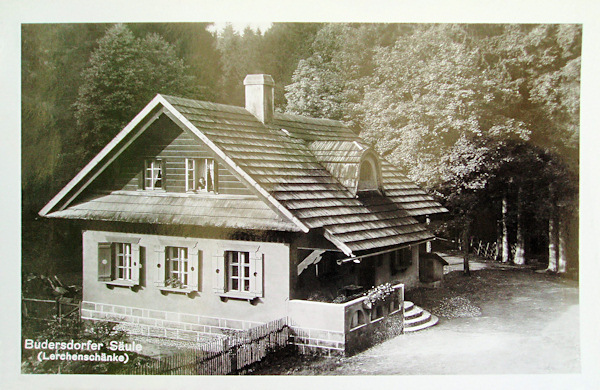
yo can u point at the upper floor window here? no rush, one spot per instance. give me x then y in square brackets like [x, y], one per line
[154, 175]
[368, 175]
[200, 175]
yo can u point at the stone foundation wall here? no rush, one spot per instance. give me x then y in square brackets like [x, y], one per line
[319, 342]
[166, 324]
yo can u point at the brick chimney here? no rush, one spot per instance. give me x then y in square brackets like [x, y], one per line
[260, 96]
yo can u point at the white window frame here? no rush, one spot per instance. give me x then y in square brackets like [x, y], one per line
[190, 174]
[226, 283]
[190, 265]
[153, 173]
[206, 168]
[123, 261]
[238, 271]
[177, 265]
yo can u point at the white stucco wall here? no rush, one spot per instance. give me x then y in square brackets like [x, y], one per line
[206, 302]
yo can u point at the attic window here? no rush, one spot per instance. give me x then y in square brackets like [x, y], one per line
[154, 174]
[367, 180]
[200, 175]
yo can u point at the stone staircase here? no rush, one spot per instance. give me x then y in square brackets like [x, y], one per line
[415, 318]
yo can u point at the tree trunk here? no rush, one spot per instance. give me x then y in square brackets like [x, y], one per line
[465, 245]
[505, 245]
[499, 241]
[552, 243]
[562, 243]
[520, 253]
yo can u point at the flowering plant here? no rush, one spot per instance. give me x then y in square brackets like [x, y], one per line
[174, 282]
[378, 294]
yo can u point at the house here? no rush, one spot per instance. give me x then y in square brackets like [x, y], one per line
[199, 217]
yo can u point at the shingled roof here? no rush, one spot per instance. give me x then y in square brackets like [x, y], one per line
[293, 163]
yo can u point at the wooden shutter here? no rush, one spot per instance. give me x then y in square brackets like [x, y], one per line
[195, 276]
[219, 273]
[216, 177]
[163, 171]
[104, 261]
[160, 266]
[256, 274]
[135, 266]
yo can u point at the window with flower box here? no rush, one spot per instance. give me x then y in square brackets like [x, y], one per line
[179, 267]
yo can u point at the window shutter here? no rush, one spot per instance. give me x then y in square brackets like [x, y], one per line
[104, 261]
[216, 176]
[135, 266]
[195, 281]
[160, 266]
[163, 170]
[219, 273]
[256, 274]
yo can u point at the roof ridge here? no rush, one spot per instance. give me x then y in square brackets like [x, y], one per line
[324, 121]
[205, 103]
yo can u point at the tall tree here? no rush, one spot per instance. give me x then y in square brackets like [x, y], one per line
[332, 81]
[431, 90]
[123, 75]
[196, 46]
[240, 55]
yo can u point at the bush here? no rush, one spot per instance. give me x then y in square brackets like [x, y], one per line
[73, 329]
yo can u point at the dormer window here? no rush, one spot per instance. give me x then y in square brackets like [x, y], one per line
[154, 174]
[368, 178]
[200, 175]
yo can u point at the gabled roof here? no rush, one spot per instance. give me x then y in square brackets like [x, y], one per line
[286, 164]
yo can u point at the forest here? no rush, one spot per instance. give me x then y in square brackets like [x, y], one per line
[485, 117]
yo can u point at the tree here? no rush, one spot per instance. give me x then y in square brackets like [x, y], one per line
[123, 75]
[196, 46]
[240, 55]
[283, 46]
[431, 90]
[332, 81]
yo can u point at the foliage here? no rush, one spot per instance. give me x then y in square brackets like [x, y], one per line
[123, 75]
[276, 52]
[331, 82]
[378, 293]
[431, 92]
[73, 329]
[174, 282]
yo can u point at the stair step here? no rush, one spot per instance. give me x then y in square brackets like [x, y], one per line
[414, 312]
[432, 321]
[408, 305]
[425, 316]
